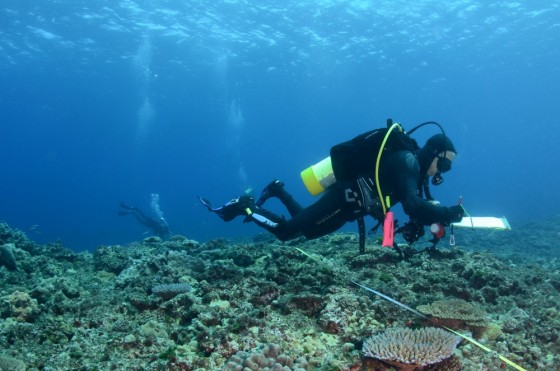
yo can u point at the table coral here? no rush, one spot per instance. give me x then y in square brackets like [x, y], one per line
[410, 349]
[456, 314]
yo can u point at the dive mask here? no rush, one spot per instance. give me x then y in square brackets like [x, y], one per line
[443, 166]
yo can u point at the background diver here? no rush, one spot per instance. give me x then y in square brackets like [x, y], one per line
[158, 226]
[403, 175]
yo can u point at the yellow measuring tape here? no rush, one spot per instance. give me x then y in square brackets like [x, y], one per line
[483, 347]
[471, 340]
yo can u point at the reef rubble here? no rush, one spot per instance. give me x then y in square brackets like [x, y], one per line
[186, 305]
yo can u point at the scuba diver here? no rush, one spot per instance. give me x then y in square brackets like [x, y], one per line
[365, 176]
[159, 225]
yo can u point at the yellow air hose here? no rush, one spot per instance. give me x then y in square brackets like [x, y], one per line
[378, 161]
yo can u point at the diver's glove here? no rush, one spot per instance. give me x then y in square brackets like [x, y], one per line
[412, 231]
[455, 213]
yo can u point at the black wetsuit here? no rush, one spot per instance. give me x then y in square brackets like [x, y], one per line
[400, 177]
[159, 227]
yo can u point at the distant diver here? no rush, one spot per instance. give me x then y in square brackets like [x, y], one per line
[364, 176]
[158, 225]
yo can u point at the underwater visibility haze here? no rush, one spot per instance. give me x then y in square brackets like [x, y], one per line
[114, 101]
[115, 112]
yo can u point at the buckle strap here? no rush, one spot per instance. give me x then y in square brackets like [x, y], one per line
[371, 203]
[362, 234]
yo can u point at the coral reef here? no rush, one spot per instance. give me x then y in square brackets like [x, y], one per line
[230, 301]
[411, 349]
[7, 257]
[268, 357]
[15, 237]
[8, 363]
[19, 306]
[456, 314]
[170, 290]
[111, 259]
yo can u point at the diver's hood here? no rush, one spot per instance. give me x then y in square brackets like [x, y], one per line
[436, 144]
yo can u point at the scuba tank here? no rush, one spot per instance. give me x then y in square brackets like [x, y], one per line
[346, 160]
[318, 177]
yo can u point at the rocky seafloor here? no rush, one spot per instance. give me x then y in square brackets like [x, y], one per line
[185, 305]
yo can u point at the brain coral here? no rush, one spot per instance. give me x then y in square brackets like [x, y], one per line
[409, 349]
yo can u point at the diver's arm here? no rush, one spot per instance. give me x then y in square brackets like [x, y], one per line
[407, 172]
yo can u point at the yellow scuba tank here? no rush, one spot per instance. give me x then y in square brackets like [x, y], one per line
[318, 177]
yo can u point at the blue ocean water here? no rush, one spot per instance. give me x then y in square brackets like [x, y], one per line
[110, 101]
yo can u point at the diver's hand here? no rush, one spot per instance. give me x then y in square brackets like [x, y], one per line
[412, 231]
[455, 213]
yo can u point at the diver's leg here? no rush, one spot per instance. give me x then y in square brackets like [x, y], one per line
[325, 216]
[125, 206]
[141, 217]
[289, 202]
[125, 209]
[273, 223]
[140, 214]
[232, 209]
[245, 206]
[276, 189]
